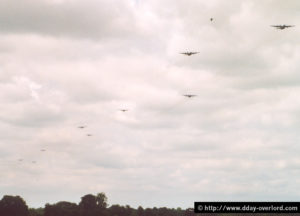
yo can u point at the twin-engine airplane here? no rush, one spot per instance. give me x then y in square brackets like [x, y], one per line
[189, 53]
[281, 27]
[189, 95]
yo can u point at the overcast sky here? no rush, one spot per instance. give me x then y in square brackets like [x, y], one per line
[66, 63]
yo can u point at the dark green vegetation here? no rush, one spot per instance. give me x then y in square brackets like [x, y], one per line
[91, 205]
[13, 206]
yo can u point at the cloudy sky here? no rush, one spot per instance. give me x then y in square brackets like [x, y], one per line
[66, 63]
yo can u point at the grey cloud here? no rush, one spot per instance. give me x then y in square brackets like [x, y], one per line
[91, 19]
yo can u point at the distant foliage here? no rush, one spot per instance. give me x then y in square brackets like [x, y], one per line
[62, 209]
[13, 206]
[90, 205]
[36, 212]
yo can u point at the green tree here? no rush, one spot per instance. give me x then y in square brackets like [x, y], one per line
[62, 208]
[13, 206]
[163, 212]
[91, 205]
[88, 205]
[128, 210]
[116, 210]
[36, 212]
[101, 201]
[148, 212]
[140, 211]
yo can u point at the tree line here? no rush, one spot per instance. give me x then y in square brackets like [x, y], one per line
[95, 205]
[90, 205]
